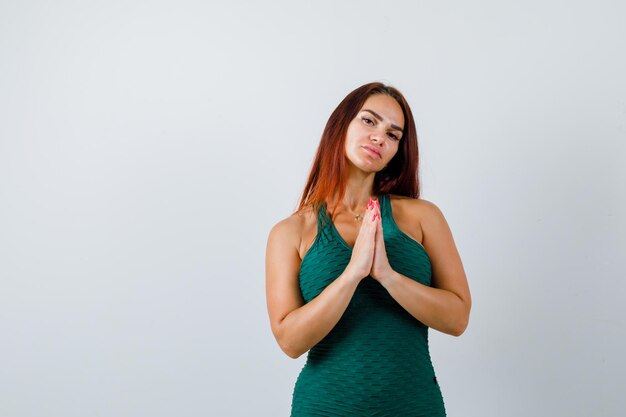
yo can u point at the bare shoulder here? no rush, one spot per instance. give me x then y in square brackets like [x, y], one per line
[413, 202]
[431, 215]
[436, 235]
[293, 230]
[287, 230]
[410, 214]
[417, 208]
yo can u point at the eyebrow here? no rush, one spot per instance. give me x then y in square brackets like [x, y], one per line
[376, 115]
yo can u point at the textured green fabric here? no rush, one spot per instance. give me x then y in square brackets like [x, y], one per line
[375, 361]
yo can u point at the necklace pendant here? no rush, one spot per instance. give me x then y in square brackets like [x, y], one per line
[357, 217]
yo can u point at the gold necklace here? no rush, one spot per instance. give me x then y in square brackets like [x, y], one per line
[359, 217]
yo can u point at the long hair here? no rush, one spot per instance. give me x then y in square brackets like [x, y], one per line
[328, 173]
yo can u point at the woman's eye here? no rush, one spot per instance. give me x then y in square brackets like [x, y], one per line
[367, 120]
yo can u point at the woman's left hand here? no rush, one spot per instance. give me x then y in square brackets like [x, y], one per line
[381, 269]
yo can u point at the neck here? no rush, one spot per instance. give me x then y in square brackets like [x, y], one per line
[359, 189]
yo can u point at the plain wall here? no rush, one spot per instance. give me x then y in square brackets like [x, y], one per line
[147, 148]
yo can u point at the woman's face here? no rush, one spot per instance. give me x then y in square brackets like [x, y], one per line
[374, 135]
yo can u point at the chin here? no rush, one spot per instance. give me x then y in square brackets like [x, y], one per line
[369, 168]
[367, 165]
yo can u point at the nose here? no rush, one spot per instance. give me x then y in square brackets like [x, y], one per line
[378, 136]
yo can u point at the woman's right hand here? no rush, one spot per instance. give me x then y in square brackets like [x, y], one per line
[363, 252]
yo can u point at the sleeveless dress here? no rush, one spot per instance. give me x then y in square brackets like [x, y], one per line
[376, 360]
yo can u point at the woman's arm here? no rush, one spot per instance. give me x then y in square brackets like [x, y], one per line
[297, 326]
[446, 305]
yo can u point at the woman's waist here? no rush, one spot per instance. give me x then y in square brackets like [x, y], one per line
[390, 349]
[367, 373]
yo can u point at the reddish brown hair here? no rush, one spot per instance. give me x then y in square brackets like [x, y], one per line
[327, 176]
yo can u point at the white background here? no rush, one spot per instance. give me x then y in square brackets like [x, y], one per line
[147, 148]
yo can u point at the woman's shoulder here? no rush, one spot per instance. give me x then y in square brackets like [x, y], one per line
[292, 227]
[412, 203]
[413, 210]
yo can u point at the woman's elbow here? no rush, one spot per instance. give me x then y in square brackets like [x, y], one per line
[459, 331]
[290, 351]
[287, 346]
[293, 354]
[461, 326]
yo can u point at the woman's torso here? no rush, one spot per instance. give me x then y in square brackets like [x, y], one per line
[375, 361]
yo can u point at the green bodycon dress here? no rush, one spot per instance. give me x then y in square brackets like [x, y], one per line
[376, 360]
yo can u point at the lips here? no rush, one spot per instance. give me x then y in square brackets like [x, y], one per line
[372, 150]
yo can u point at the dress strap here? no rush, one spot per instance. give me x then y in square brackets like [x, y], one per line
[385, 206]
[386, 215]
[322, 218]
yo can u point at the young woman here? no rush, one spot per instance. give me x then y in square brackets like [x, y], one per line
[363, 268]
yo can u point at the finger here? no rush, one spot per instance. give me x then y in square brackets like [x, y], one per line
[371, 211]
[372, 219]
[368, 224]
[373, 208]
